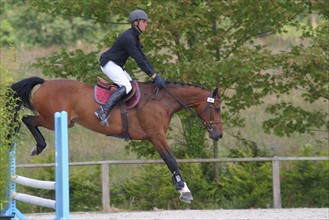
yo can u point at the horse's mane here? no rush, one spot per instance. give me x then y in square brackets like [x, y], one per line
[180, 84]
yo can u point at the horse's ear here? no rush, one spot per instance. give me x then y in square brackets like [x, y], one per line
[215, 92]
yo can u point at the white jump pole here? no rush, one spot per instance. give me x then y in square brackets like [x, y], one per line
[61, 185]
[40, 184]
[35, 200]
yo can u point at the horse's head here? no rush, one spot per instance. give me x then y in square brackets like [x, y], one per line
[209, 111]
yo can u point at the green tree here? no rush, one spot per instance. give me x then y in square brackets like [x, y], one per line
[7, 31]
[213, 43]
[305, 70]
[44, 29]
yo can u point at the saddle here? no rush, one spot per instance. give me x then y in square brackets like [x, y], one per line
[102, 93]
[104, 89]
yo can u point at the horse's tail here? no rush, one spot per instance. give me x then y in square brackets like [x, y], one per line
[20, 94]
[23, 91]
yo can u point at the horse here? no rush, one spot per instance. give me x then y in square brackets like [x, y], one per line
[148, 120]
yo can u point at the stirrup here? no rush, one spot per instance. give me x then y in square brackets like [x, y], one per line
[104, 121]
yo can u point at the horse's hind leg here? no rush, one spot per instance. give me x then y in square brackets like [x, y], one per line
[29, 121]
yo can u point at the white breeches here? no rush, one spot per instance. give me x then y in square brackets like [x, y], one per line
[117, 75]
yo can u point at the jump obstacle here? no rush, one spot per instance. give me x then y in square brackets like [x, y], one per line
[61, 184]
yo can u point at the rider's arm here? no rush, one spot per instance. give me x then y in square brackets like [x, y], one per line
[135, 51]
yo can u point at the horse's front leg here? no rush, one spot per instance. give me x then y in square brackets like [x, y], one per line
[163, 149]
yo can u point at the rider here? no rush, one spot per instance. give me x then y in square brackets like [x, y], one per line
[113, 60]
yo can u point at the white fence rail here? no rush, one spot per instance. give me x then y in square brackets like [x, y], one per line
[106, 182]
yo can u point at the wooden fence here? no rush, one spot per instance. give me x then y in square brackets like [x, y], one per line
[107, 163]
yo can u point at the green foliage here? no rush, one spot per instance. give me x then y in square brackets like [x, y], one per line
[7, 33]
[67, 64]
[207, 42]
[44, 29]
[142, 149]
[101, 11]
[214, 43]
[85, 190]
[8, 128]
[306, 183]
[7, 109]
[246, 184]
[294, 119]
[152, 186]
[304, 69]
[193, 138]
[85, 187]
[241, 185]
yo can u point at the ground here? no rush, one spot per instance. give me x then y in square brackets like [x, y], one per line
[250, 214]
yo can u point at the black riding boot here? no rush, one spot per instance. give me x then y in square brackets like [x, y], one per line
[103, 112]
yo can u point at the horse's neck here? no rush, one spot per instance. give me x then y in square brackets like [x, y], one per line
[189, 95]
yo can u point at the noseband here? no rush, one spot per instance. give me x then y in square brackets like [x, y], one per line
[211, 100]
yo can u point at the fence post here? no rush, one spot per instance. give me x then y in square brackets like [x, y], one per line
[62, 167]
[215, 144]
[105, 187]
[276, 180]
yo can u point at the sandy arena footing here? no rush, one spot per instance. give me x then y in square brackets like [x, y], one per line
[250, 214]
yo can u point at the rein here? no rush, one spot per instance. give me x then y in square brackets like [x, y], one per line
[209, 100]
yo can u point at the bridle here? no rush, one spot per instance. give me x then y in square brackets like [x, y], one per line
[210, 100]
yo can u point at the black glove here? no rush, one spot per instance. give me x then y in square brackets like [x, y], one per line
[159, 81]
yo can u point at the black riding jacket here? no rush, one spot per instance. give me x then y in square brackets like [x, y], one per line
[126, 45]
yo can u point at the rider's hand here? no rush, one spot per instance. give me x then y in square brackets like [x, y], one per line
[159, 81]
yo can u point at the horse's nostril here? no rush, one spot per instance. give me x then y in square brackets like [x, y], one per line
[215, 136]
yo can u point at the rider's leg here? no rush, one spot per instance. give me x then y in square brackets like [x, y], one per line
[122, 79]
[117, 75]
[103, 112]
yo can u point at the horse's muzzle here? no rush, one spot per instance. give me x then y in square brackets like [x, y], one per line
[215, 134]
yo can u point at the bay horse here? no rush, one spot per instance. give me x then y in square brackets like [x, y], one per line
[149, 120]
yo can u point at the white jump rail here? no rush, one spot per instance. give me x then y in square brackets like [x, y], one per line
[40, 184]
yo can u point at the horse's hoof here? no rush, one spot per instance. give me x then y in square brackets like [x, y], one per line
[37, 150]
[185, 194]
[34, 151]
[186, 197]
